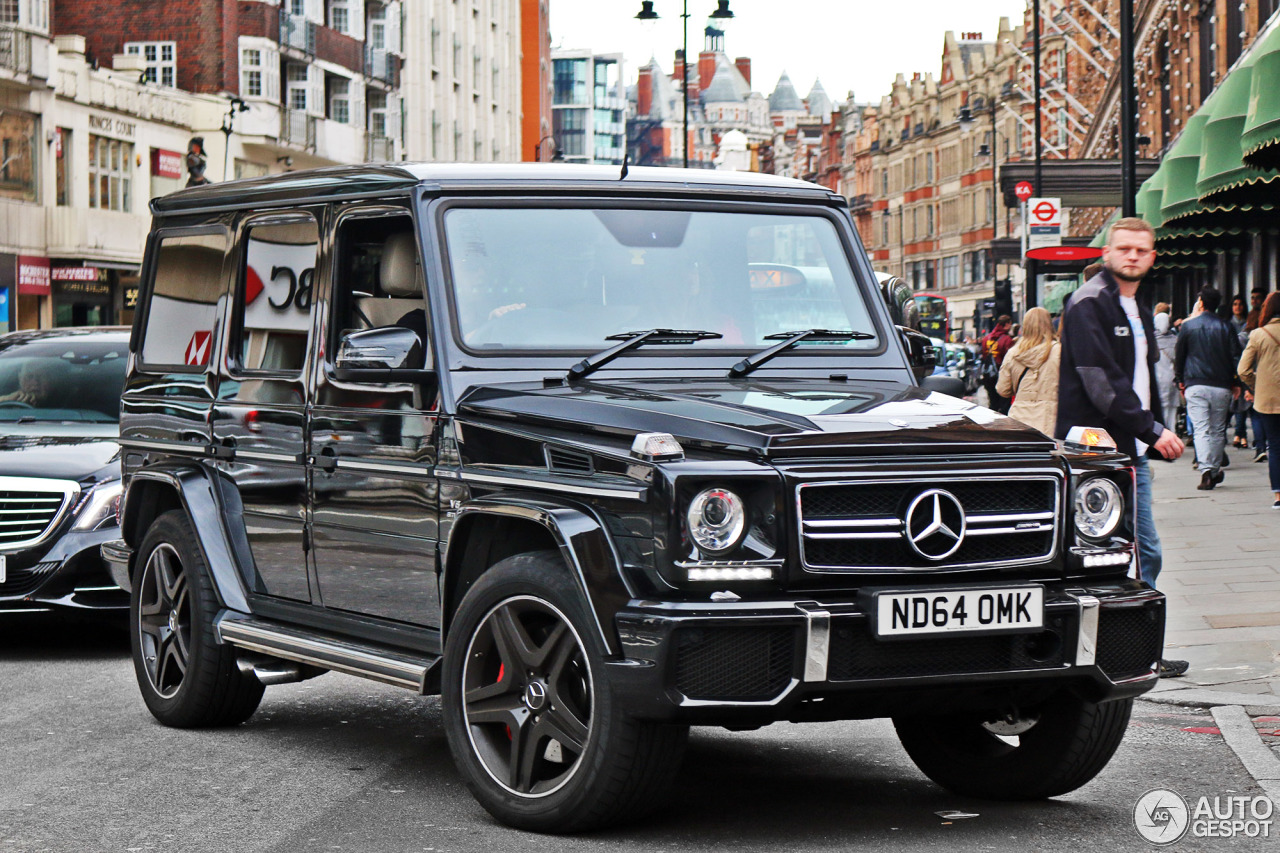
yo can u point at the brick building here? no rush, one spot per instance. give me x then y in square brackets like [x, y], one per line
[319, 79]
[926, 200]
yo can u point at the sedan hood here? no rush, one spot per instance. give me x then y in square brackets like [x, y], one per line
[777, 418]
[57, 452]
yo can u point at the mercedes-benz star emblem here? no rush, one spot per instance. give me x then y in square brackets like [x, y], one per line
[935, 524]
[535, 694]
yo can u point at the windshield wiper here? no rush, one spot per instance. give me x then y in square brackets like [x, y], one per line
[635, 340]
[789, 340]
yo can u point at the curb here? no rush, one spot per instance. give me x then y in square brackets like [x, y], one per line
[1260, 762]
[1254, 703]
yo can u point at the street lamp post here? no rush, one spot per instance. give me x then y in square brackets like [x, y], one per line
[228, 122]
[722, 15]
[555, 149]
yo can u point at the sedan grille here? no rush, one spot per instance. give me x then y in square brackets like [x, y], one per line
[30, 508]
[928, 524]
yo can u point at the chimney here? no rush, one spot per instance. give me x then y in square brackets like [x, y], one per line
[744, 67]
[644, 91]
[706, 68]
[677, 71]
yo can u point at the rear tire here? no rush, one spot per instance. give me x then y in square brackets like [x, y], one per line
[188, 679]
[1068, 744]
[532, 722]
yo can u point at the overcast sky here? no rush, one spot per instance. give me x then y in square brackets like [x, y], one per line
[849, 44]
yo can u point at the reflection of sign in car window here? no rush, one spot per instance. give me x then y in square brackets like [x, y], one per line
[280, 265]
[188, 282]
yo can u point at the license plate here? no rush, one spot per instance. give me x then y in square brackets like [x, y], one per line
[910, 614]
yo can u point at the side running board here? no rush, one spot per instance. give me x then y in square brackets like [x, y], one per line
[374, 662]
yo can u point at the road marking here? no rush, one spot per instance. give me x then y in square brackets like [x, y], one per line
[1246, 743]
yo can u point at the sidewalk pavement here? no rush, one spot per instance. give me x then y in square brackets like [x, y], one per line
[1222, 578]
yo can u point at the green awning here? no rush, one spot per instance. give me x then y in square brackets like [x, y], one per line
[1260, 140]
[1221, 166]
[1100, 239]
[1181, 167]
[1150, 198]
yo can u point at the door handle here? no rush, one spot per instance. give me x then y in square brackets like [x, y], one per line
[326, 461]
[226, 450]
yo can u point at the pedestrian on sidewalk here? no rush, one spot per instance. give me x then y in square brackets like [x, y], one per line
[1256, 298]
[1029, 375]
[1204, 367]
[1108, 380]
[1166, 340]
[1241, 406]
[1259, 368]
[995, 345]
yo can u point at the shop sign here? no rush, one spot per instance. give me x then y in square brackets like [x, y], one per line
[77, 274]
[131, 297]
[166, 164]
[108, 124]
[1045, 220]
[84, 288]
[33, 275]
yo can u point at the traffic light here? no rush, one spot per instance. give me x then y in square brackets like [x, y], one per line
[1003, 297]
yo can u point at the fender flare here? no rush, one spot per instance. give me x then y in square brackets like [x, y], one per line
[583, 541]
[203, 504]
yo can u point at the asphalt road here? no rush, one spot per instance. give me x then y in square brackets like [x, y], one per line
[342, 764]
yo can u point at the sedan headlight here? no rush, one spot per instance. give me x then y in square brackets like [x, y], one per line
[98, 506]
[717, 520]
[1099, 508]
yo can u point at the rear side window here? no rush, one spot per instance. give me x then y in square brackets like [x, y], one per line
[273, 300]
[181, 312]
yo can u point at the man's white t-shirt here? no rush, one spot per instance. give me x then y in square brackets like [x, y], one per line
[1141, 375]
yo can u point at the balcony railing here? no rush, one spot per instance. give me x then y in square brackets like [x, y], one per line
[15, 50]
[379, 149]
[297, 32]
[298, 129]
[380, 65]
[860, 203]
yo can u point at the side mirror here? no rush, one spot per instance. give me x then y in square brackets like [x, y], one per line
[948, 385]
[384, 354]
[920, 352]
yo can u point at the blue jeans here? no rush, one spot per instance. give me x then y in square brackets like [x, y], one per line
[1271, 429]
[1150, 558]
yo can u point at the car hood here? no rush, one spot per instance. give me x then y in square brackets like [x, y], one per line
[80, 452]
[772, 418]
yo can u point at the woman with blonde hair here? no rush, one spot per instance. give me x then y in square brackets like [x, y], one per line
[1029, 373]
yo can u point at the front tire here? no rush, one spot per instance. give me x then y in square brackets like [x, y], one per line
[1059, 747]
[533, 725]
[187, 678]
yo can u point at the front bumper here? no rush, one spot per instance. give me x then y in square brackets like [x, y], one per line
[750, 663]
[69, 574]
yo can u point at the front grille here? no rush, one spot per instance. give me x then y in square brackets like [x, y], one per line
[1129, 640]
[861, 526]
[23, 581]
[855, 654]
[733, 664]
[26, 515]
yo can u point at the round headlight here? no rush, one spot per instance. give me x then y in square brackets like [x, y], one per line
[1099, 506]
[717, 519]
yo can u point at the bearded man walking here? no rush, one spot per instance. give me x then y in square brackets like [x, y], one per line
[1108, 378]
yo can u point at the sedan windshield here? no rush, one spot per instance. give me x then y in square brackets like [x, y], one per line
[537, 278]
[61, 380]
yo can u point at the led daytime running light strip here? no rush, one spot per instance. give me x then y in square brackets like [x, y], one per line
[737, 573]
[1116, 559]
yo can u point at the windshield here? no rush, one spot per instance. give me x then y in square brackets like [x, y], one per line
[537, 278]
[75, 380]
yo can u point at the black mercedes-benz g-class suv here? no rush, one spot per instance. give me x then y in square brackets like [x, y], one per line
[597, 455]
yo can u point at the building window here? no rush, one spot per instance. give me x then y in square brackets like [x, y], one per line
[161, 58]
[378, 28]
[8, 11]
[377, 113]
[299, 81]
[951, 271]
[297, 7]
[340, 99]
[251, 73]
[18, 168]
[339, 16]
[570, 81]
[110, 173]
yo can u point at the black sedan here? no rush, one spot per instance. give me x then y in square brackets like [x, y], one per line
[60, 467]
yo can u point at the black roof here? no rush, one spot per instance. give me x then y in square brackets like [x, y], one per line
[373, 180]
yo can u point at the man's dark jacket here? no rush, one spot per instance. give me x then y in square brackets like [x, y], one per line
[1095, 385]
[1207, 352]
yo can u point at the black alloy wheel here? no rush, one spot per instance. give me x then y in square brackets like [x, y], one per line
[187, 678]
[164, 620]
[527, 696]
[533, 724]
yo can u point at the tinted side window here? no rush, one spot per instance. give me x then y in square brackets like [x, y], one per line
[273, 297]
[181, 312]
